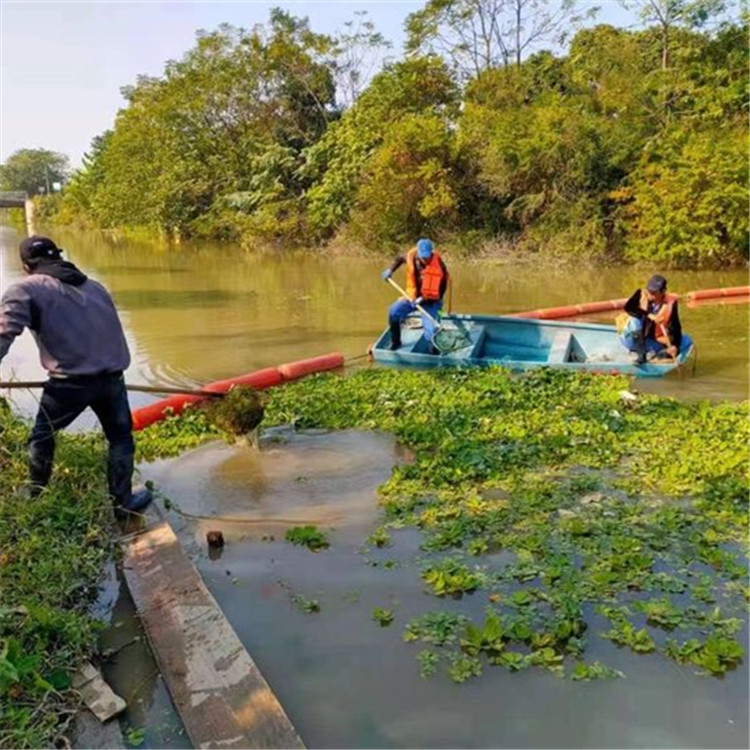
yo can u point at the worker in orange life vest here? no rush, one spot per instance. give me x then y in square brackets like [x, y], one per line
[653, 327]
[426, 282]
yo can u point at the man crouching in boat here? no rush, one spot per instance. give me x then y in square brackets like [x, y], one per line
[652, 325]
[426, 282]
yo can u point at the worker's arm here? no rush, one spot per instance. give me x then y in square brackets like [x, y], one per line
[633, 306]
[400, 260]
[16, 313]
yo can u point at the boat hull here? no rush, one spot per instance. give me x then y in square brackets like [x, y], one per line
[523, 344]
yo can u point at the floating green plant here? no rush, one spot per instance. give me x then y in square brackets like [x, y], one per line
[559, 485]
[383, 617]
[307, 536]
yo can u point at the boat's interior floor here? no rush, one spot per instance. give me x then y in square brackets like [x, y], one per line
[488, 344]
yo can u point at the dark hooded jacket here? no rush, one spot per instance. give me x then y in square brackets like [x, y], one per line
[72, 318]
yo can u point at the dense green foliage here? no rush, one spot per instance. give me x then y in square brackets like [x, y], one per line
[579, 514]
[631, 145]
[33, 170]
[52, 550]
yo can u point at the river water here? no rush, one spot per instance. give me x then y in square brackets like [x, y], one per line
[203, 312]
[199, 313]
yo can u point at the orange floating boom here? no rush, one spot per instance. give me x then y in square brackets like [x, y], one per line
[260, 380]
[570, 311]
[727, 291]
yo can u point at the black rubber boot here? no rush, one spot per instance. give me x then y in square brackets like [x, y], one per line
[640, 347]
[395, 336]
[41, 456]
[140, 498]
[120, 476]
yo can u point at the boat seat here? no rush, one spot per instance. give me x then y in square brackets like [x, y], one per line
[559, 351]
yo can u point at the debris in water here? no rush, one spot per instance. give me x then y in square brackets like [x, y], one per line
[215, 539]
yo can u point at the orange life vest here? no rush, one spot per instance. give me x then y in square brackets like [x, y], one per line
[662, 316]
[430, 276]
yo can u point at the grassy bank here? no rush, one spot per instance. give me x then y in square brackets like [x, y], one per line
[52, 550]
[52, 553]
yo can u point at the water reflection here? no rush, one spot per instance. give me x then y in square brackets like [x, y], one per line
[198, 313]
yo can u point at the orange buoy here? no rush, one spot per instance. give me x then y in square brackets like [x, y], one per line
[260, 379]
[295, 370]
[727, 291]
[570, 311]
[155, 412]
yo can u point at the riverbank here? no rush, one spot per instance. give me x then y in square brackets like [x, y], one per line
[576, 513]
[467, 247]
[53, 551]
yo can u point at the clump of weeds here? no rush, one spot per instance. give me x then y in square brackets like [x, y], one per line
[307, 536]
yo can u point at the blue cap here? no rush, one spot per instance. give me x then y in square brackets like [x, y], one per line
[424, 248]
[657, 284]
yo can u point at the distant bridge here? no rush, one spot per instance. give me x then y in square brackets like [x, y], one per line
[19, 199]
[13, 199]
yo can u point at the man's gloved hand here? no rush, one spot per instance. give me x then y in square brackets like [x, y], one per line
[387, 274]
[418, 301]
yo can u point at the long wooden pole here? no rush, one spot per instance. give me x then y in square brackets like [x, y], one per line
[138, 388]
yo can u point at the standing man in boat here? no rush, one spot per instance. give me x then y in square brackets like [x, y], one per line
[82, 346]
[652, 325]
[426, 281]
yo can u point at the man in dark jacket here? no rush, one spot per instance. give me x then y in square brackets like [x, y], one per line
[83, 348]
[653, 326]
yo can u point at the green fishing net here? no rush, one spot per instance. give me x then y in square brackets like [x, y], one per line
[448, 340]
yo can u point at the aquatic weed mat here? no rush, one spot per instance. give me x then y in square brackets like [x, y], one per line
[52, 552]
[576, 511]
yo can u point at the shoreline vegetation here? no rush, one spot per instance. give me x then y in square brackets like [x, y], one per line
[618, 146]
[618, 518]
[490, 251]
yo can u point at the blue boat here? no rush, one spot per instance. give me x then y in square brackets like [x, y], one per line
[522, 343]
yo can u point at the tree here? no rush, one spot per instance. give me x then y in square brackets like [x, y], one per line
[670, 14]
[358, 51]
[686, 203]
[33, 170]
[337, 164]
[219, 135]
[410, 188]
[475, 35]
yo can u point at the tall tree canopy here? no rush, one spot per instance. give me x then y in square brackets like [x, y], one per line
[33, 170]
[610, 148]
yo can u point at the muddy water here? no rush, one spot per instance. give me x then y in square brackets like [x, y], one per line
[347, 682]
[199, 313]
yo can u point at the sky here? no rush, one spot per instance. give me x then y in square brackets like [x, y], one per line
[63, 62]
